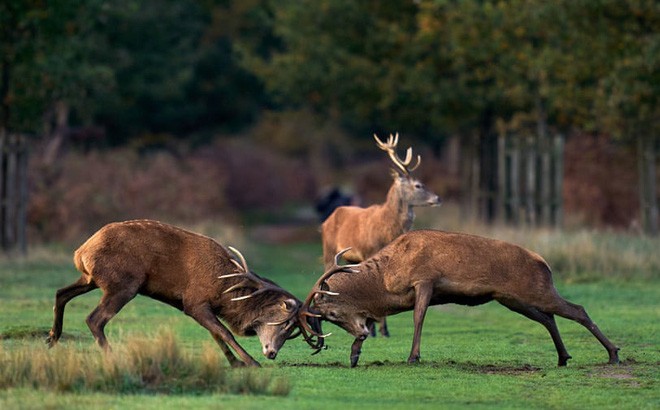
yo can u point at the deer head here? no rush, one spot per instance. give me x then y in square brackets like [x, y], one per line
[314, 305]
[411, 190]
[273, 334]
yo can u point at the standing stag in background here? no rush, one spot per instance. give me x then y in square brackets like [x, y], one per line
[427, 267]
[190, 272]
[368, 230]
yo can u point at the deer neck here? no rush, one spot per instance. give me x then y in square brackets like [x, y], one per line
[398, 210]
[366, 290]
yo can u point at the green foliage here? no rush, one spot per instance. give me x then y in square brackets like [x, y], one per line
[46, 56]
[129, 66]
[431, 67]
[342, 58]
[445, 66]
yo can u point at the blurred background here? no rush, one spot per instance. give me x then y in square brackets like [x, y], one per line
[247, 114]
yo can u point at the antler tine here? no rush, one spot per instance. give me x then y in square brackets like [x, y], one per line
[307, 331]
[241, 257]
[395, 140]
[243, 271]
[338, 257]
[291, 316]
[334, 269]
[390, 148]
[419, 161]
[380, 143]
[406, 162]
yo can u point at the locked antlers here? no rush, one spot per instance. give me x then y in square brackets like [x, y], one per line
[307, 311]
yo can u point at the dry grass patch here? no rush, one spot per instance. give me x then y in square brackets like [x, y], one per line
[141, 365]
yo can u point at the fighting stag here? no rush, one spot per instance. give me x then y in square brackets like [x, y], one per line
[428, 267]
[367, 230]
[188, 271]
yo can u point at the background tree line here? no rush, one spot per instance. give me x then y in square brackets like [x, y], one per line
[117, 72]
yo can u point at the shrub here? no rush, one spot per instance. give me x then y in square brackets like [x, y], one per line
[85, 191]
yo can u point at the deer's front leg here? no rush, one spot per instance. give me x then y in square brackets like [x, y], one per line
[356, 349]
[205, 317]
[423, 293]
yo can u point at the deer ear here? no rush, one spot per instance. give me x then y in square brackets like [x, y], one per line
[289, 304]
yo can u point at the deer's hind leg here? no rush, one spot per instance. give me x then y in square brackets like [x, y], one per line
[548, 321]
[423, 293]
[112, 301]
[62, 297]
[577, 313]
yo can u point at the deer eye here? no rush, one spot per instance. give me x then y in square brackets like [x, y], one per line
[418, 186]
[332, 315]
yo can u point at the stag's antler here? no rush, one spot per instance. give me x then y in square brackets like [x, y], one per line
[251, 280]
[390, 148]
[306, 309]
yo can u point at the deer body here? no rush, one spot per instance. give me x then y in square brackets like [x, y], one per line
[184, 270]
[368, 230]
[426, 267]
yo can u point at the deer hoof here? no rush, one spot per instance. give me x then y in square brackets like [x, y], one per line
[413, 359]
[50, 341]
[614, 356]
[563, 361]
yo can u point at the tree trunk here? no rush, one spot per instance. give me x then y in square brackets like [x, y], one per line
[543, 149]
[515, 181]
[530, 182]
[502, 188]
[558, 191]
[13, 192]
[646, 151]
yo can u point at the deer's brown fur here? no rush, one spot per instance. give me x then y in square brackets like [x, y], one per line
[368, 230]
[182, 269]
[427, 267]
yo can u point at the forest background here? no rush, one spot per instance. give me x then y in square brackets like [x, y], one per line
[244, 111]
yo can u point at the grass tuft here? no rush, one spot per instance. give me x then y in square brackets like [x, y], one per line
[140, 365]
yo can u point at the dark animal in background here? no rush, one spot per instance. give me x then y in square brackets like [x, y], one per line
[331, 200]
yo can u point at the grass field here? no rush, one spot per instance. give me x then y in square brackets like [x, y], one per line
[480, 357]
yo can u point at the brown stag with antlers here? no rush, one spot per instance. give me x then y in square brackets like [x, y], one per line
[428, 267]
[367, 230]
[190, 272]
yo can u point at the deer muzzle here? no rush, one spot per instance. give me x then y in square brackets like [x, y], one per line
[269, 352]
[435, 201]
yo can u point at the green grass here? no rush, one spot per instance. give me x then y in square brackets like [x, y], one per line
[480, 357]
